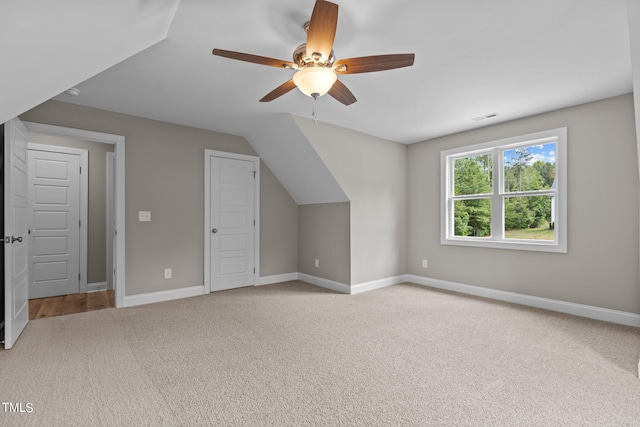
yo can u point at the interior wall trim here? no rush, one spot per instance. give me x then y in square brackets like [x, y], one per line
[378, 284]
[160, 296]
[588, 311]
[118, 141]
[591, 312]
[325, 283]
[277, 278]
[96, 286]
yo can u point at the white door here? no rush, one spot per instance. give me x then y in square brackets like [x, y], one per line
[111, 220]
[232, 223]
[16, 281]
[54, 218]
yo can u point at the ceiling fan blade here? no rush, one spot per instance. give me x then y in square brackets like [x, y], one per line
[279, 91]
[341, 93]
[322, 29]
[367, 64]
[247, 57]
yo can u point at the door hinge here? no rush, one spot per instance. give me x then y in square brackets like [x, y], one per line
[254, 270]
[254, 174]
[80, 223]
[79, 276]
[254, 222]
[80, 169]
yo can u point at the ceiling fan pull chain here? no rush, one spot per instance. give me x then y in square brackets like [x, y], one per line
[315, 102]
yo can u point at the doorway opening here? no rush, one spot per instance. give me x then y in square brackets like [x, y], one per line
[62, 305]
[103, 272]
[14, 186]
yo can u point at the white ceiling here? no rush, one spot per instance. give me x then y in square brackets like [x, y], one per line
[47, 47]
[513, 57]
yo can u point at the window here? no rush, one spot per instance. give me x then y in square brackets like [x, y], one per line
[508, 194]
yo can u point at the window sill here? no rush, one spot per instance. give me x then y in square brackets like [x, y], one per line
[520, 245]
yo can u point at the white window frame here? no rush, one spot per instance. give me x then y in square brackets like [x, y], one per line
[497, 148]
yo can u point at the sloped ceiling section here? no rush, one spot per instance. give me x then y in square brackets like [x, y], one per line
[287, 152]
[49, 47]
[634, 29]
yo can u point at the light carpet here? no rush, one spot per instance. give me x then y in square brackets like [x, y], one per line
[296, 354]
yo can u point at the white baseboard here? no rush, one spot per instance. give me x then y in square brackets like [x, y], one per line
[278, 278]
[97, 286]
[598, 313]
[325, 283]
[134, 300]
[378, 284]
[331, 284]
[352, 289]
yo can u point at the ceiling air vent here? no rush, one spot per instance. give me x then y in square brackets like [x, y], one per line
[484, 117]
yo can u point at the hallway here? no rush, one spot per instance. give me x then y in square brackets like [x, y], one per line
[69, 304]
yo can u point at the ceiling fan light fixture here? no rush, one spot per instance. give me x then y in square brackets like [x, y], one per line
[315, 80]
[314, 60]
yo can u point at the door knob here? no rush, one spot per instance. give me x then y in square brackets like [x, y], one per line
[14, 239]
[215, 230]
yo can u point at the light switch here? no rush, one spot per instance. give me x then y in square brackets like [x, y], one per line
[144, 216]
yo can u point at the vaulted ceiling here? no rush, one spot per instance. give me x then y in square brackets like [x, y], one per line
[153, 59]
[48, 47]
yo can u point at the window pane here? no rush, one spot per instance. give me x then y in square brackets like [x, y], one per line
[529, 218]
[472, 175]
[472, 217]
[530, 168]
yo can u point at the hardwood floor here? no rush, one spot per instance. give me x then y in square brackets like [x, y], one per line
[69, 304]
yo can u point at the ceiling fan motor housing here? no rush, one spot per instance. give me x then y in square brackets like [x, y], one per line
[301, 58]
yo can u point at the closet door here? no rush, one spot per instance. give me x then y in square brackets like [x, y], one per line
[16, 281]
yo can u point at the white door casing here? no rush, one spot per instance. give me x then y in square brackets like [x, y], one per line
[16, 280]
[118, 141]
[231, 220]
[111, 223]
[58, 220]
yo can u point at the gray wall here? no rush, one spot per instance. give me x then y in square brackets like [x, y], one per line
[634, 30]
[373, 174]
[601, 265]
[324, 235]
[165, 175]
[278, 228]
[165, 169]
[97, 210]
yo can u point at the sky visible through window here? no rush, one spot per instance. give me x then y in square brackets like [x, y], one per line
[545, 153]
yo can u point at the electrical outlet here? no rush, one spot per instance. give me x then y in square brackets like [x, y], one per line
[144, 216]
[317, 263]
[425, 263]
[168, 273]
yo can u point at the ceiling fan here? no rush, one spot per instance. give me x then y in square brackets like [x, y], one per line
[315, 62]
